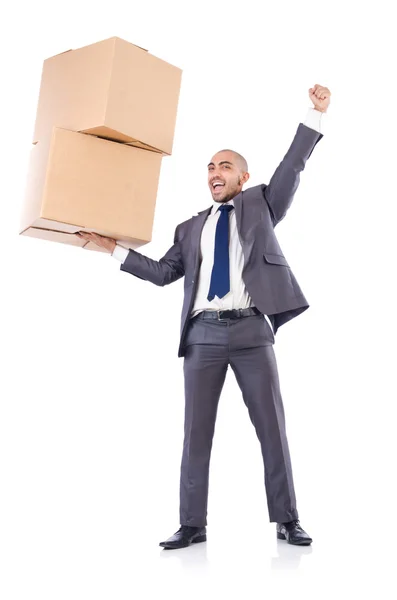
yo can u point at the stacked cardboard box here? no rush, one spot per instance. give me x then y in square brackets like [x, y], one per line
[105, 118]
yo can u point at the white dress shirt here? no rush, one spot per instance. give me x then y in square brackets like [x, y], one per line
[238, 296]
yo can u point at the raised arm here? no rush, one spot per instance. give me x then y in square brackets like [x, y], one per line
[281, 189]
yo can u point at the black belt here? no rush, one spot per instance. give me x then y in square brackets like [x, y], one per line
[236, 313]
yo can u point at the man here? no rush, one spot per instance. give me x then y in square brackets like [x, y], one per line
[238, 290]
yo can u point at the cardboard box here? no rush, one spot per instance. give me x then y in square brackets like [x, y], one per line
[111, 89]
[80, 182]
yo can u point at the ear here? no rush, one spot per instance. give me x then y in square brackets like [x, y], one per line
[245, 178]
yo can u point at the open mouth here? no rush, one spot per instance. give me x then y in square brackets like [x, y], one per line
[217, 186]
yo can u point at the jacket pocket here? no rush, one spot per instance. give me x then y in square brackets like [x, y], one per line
[275, 259]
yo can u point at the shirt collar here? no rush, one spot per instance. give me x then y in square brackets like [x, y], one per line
[216, 205]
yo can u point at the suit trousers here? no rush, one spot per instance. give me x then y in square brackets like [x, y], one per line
[246, 344]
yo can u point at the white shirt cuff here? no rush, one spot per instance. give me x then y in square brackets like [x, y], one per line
[314, 119]
[120, 253]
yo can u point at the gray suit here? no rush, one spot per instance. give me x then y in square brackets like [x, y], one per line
[246, 344]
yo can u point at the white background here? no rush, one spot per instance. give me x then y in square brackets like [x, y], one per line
[92, 390]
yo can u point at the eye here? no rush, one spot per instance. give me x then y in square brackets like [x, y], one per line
[226, 166]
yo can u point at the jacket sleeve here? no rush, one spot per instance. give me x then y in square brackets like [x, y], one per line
[160, 272]
[280, 191]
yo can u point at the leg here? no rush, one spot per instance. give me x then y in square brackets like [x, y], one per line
[205, 369]
[257, 377]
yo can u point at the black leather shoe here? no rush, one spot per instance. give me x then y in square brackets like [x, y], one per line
[293, 533]
[184, 537]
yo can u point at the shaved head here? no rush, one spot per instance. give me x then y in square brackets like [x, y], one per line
[240, 160]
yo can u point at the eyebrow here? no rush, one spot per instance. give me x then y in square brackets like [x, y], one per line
[223, 162]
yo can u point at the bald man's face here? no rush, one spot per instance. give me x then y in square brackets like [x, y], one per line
[225, 176]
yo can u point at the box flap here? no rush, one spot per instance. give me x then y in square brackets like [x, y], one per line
[136, 45]
[111, 38]
[64, 52]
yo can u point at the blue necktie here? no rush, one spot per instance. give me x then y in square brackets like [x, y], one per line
[220, 277]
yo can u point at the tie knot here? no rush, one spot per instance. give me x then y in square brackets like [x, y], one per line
[226, 207]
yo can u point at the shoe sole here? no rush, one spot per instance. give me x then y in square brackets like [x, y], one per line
[197, 540]
[281, 536]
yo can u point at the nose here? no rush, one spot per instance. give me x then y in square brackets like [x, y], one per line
[214, 175]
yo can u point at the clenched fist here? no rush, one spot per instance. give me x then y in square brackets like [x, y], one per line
[104, 242]
[320, 96]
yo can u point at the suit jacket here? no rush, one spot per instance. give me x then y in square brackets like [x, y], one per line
[266, 273]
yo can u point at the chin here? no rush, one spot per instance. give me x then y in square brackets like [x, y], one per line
[223, 197]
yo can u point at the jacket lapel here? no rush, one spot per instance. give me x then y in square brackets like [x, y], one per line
[197, 228]
[237, 201]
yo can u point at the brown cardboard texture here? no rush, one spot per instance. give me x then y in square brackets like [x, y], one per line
[112, 89]
[79, 182]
